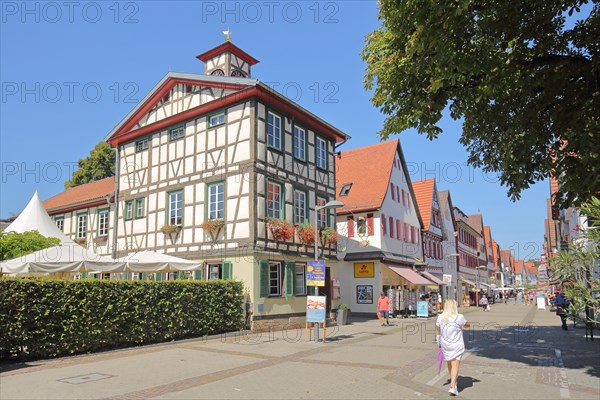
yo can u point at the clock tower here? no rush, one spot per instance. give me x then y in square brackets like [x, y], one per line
[227, 60]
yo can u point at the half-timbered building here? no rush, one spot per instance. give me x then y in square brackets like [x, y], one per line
[216, 167]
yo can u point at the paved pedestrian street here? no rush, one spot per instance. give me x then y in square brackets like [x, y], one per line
[513, 352]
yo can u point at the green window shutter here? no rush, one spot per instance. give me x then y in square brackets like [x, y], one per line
[227, 269]
[263, 278]
[143, 276]
[84, 275]
[158, 276]
[290, 279]
[199, 273]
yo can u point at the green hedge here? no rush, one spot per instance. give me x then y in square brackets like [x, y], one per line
[42, 318]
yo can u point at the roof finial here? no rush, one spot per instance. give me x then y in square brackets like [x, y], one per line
[227, 34]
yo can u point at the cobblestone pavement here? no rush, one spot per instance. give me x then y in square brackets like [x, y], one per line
[513, 352]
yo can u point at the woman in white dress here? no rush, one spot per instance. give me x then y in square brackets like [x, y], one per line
[449, 329]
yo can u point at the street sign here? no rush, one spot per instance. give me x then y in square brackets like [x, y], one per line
[447, 279]
[315, 308]
[315, 273]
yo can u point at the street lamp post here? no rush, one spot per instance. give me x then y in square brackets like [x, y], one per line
[478, 290]
[456, 272]
[334, 204]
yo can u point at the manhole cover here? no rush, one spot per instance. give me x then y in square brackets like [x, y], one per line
[77, 380]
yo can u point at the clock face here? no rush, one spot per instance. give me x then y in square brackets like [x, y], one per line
[238, 73]
[218, 72]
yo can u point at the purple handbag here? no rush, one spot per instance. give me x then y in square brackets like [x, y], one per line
[440, 358]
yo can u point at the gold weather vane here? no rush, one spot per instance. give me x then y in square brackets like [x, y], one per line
[227, 34]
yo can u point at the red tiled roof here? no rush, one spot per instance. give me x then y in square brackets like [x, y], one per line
[475, 221]
[553, 186]
[505, 257]
[424, 194]
[519, 266]
[530, 268]
[495, 255]
[82, 194]
[551, 225]
[487, 236]
[368, 169]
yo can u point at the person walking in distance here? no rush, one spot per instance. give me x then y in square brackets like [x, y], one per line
[484, 302]
[383, 306]
[449, 336]
[562, 304]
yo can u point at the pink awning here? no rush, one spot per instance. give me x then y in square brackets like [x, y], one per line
[432, 278]
[411, 276]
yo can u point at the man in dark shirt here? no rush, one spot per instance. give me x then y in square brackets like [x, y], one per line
[562, 304]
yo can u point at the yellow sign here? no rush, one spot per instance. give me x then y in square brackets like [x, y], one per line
[364, 270]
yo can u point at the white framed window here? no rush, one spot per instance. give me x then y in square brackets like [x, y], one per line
[216, 119]
[274, 279]
[175, 212]
[176, 133]
[216, 200]
[322, 213]
[81, 226]
[321, 153]
[274, 130]
[140, 209]
[299, 143]
[299, 207]
[103, 222]
[215, 271]
[300, 279]
[274, 200]
[60, 223]
[128, 212]
[141, 145]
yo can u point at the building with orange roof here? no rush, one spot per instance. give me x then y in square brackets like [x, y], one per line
[449, 245]
[379, 227]
[519, 271]
[470, 245]
[433, 226]
[85, 213]
[213, 165]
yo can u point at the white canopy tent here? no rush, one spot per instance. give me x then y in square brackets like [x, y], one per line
[67, 256]
[151, 261]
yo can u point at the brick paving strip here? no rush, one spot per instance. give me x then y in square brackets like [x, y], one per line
[298, 357]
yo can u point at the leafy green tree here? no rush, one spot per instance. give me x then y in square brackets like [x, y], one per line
[98, 165]
[13, 244]
[574, 267]
[524, 82]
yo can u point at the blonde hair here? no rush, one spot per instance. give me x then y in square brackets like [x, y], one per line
[450, 310]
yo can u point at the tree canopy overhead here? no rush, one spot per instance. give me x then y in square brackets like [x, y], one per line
[525, 83]
[13, 244]
[98, 165]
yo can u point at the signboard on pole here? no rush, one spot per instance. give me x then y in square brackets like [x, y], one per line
[315, 308]
[447, 279]
[315, 273]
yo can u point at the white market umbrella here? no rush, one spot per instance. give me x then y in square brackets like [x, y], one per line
[150, 261]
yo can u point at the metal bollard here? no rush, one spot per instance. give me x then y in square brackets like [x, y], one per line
[316, 328]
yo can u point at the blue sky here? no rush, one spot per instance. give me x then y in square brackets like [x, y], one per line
[70, 72]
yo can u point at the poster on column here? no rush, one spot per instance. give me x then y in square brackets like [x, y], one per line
[422, 309]
[315, 273]
[315, 308]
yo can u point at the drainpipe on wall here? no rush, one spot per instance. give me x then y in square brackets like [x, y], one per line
[116, 204]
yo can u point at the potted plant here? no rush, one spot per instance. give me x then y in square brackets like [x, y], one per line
[282, 231]
[168, 229]
[342, 314]
[328, 236]
[213, 226]
[306, 234]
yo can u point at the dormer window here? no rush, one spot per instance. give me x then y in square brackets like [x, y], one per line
[236, 73]
[345, 189]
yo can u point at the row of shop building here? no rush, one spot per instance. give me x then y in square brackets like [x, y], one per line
[220, 168]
